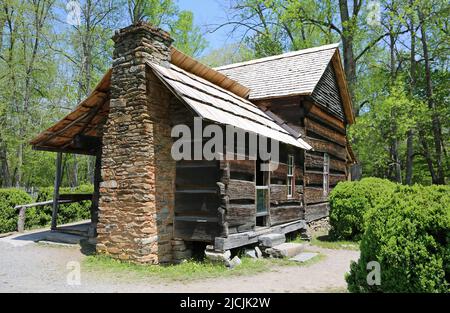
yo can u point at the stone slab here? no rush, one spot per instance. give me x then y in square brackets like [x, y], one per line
[218, 256]
[285, 250]
[303, 257]
[271, 240]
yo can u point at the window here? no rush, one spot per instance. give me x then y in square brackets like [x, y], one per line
[326, 174]
[262, 194]
[290, 176]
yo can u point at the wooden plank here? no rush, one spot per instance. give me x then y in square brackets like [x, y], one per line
[314, 195]
[196, 177]
[76, 197]
[286, 213]
[327, 118]
[233, 241]
[343, 88]
[243, 166]
[328, 147]
[325, 132]
[196, 202]
[196, 218]
[240, 214]
[314, 161]
[313, 178]
[196, 164]
[327, 94]
[336, 178]
[317, 211]
[195, 231]
[58, 179]
[316, 178]
[241, 190]
[251, 237]
[280, 172]
[278, 193]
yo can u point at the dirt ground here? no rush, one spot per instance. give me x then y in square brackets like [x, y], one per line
[26, 266]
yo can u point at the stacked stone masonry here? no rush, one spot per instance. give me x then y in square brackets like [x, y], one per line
[138, 173]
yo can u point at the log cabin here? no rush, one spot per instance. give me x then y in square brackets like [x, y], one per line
[149, 207]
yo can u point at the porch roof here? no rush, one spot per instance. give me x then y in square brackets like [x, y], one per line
[85, 120]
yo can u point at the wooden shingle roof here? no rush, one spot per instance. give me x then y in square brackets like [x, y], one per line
[292, 73]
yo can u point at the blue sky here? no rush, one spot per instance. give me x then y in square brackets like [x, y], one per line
[208, 13]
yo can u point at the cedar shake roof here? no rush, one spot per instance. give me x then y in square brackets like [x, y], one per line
[290, 74]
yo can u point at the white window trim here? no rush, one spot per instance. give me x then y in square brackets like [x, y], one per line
[290, 177]
[326, 174]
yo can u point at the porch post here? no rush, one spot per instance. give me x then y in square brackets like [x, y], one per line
[58, 178]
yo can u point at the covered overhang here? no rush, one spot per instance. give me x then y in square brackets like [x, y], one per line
[80, 131]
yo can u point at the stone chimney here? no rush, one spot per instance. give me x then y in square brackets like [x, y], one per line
[137, 193]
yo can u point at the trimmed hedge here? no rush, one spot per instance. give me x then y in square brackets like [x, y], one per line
[35, 217]
[67, 213]
[409, 235]
[349, 202]
[9, 198]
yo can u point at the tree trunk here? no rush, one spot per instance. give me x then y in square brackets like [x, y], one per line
[394, 145]
[18, 177]
[75, 171]
[409, 157]
[5, 175]
[410, 133]
[427, 155]
[436, 123]
[347, 41]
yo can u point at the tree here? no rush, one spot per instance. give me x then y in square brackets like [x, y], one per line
[23, 56]
[232, 53]
[436, 123]
[167, 15]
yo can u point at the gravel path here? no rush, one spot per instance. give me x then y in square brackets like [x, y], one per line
[30, 267]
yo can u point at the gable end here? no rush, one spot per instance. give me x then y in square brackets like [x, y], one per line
[327, 95]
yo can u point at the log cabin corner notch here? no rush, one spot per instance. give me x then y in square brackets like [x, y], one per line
[148, 208]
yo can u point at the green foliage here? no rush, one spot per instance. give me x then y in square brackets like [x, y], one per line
[166, 14]
[349, 203]
[229, 54]
[389, 118]
[67, 212]
[409, 235]
[9, 198]
[41, 216]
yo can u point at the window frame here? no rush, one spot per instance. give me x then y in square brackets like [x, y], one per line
[290, 176]
[326, 174]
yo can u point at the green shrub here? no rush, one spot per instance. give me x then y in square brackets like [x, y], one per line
[409, 235]
[9, 198]
[67, 212]
[349, 201]
[41, 216]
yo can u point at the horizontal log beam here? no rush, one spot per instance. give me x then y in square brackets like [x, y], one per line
[325, 132]
[328, 147]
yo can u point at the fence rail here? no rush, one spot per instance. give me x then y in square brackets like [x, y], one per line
[64, 199]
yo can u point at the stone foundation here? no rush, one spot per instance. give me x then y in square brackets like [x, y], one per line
[320, 225]
[181, 250]
[138, 173]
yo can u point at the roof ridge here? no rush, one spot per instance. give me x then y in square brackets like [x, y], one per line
[278, 56]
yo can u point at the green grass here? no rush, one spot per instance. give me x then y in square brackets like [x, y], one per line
[324, 241]
[187, 271]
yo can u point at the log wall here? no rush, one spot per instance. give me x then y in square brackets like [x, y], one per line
[326, 134]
